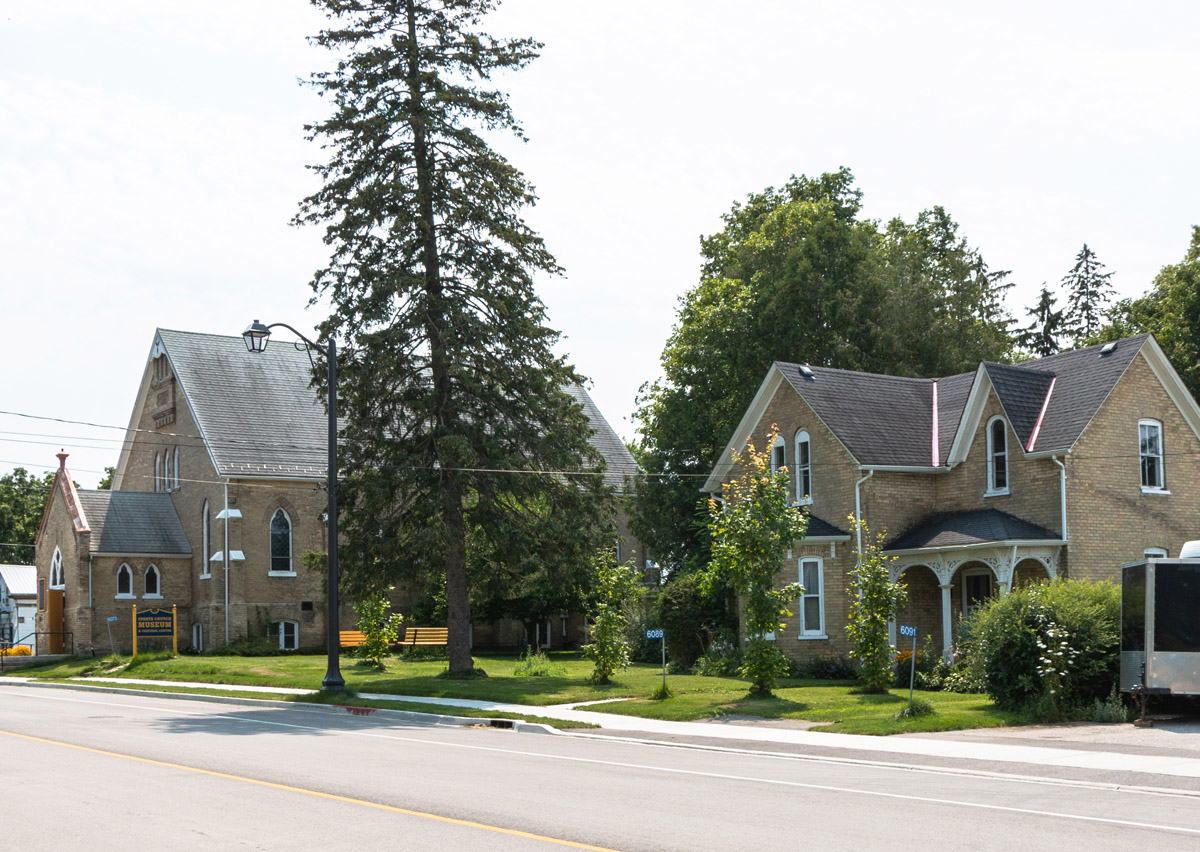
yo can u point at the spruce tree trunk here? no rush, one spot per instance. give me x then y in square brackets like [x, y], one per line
[458, 605]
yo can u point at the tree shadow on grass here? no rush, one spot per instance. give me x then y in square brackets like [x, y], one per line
[766, 708]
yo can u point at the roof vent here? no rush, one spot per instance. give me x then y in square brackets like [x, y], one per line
[806, 371]
[1107, 348]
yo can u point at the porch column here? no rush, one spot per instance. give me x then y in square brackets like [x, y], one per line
[945, 587]
[1006, 566]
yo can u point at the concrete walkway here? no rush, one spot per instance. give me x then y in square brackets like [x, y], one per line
[1168, 751]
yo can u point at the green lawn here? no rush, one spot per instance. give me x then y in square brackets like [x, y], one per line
[836, 704]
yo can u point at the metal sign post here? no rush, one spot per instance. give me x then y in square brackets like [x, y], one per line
[658, 634]
[912, 661]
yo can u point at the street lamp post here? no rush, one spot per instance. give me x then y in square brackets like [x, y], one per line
[256, 335]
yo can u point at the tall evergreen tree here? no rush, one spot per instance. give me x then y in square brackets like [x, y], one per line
[456, 417]
[1041, 335]
[1088, 294]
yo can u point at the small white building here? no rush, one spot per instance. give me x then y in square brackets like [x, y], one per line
[18, 606]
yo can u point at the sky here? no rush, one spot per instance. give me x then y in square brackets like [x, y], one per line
[152, 155]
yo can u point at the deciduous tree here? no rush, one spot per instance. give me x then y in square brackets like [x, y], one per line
[874, 600]
[797, 275]
[22, 503]
[1171, 311]
[752, 528]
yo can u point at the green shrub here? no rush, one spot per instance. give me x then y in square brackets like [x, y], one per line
[1111, 710]
[919, 707]
[616, 587]
[641, 649]
[534, 663]
[379, 628]
[249, 646]
[825, 665]
[722, 657]
[1052, 647]
[691, 615]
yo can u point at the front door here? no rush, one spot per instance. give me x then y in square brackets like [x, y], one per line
[977, 589]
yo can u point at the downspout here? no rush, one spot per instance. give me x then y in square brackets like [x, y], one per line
[90, 606]
[858, 509]
[1062, 492]
[225, 554]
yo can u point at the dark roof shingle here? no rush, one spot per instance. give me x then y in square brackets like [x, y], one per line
[133, 522]
[884, 420]
[260, 415]
[976, 526]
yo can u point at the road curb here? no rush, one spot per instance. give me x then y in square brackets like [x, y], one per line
[516, 725]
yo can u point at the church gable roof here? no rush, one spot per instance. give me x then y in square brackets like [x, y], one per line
[260, 416]
[128, 523]
[257, 412]
[618, 461]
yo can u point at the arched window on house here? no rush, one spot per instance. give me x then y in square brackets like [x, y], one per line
[778, 455]
[56, 570]
[997, 456]
[206, 539]
[158, 472]
[803, 465]
[176, 466]
[281, 543]
[153, 582]
[124, 581]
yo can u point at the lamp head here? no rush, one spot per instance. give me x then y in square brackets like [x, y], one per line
[256, 335]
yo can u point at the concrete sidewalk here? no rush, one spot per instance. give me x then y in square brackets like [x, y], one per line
[1171, 750]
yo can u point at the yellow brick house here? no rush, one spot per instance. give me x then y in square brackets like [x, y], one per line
[1068, 465]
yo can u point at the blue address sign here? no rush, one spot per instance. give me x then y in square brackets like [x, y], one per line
[908, 631]
[654, 634]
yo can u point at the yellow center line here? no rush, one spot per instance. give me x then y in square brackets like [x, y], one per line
[317, 794]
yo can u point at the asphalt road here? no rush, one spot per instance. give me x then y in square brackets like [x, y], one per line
[100, 772]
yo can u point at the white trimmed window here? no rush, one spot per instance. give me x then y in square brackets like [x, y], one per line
[803, 468]
[1150, 449]
[124, 582]
[176, 467]
[158, 472]
[281, 543]
[56, 570]
[198, 636]
[997, 456]
[287, 633]
[206, 537]
[812, 600]
[778, 459]
[153, 582]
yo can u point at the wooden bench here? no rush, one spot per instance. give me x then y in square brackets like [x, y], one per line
[350, 638]
[416, 637]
